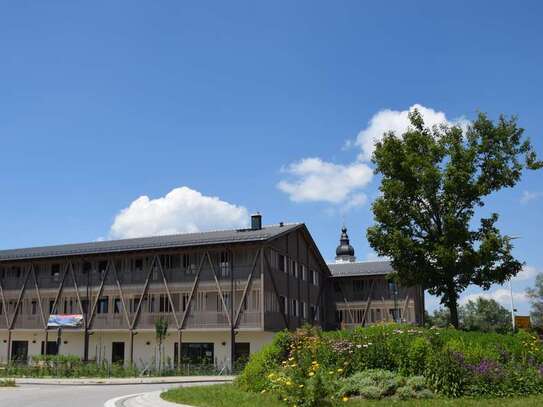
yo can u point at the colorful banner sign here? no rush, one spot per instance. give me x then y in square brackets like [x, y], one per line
[71, 321]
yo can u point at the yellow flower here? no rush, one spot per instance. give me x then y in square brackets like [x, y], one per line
[263, 391]
[340, 370]
[311, 374]
[345, 398]
[300, 386]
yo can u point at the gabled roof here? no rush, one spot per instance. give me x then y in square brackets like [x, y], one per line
[363, 268]
[149, 243]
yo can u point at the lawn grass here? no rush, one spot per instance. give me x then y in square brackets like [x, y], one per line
[227, 395]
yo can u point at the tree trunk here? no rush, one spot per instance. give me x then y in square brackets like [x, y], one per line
[453, 310]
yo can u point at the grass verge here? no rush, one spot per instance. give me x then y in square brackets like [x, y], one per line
[227, 395]
[7, 383]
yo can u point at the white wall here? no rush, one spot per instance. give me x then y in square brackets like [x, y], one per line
[100, 344]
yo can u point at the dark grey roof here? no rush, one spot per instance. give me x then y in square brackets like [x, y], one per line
[147, 243]
[363, 268]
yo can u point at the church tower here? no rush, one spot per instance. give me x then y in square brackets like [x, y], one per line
[345, 252]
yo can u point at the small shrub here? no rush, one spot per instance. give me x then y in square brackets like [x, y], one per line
[254, 375]
[445, 373]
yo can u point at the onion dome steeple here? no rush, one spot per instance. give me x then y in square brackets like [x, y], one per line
[344, 252]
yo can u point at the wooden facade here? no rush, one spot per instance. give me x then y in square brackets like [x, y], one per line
[231, 287]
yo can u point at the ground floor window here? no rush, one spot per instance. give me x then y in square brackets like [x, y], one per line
[19, 351]
[195, 352]
[52, 348]
[242, 350]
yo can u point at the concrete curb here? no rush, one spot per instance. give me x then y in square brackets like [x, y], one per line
[125, 381]
[150, 399]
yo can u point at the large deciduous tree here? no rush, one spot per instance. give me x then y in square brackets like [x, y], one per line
[432, 182]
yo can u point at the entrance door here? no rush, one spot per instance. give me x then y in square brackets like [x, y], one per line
[117, 353]
[19, 351]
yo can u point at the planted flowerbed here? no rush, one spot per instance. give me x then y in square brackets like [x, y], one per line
[312, 368]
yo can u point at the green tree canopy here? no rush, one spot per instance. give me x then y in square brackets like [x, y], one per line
[432, 180]
[536, 298]
[485, 315]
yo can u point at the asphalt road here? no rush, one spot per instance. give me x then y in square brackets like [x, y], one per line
[70, 395]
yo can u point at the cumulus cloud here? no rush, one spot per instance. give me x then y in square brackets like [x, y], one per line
[397, 121]
[527, 273]
[316, 180]
[500, 295]
[528, 196]
[182, 210]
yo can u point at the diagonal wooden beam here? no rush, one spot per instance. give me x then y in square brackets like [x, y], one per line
[246, 289]
[168, 292]
[346, 301]
[319, 295]
[99, 294]
[60, 287]
[4, 307]
[77, 295]
[119, 287]
[368, 302]
[36, 287]
[145, 286]
[193, 289]
[274, 286]
[21, 293]
[225, 308]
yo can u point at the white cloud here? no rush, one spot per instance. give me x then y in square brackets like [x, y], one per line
[317, 180]
[182, 210]
[397, 121]
[528, 196]
[500, 295]
[527, 273]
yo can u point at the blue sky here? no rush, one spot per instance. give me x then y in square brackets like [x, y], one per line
[259, 105]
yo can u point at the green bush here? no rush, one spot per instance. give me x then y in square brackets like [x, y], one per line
[254, 375]
[375, 384]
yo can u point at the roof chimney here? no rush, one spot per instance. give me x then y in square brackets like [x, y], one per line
[256, 221]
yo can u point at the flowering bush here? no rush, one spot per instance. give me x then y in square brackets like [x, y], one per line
[309, 367]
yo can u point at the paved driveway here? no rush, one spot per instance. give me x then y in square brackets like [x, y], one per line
[70, 395]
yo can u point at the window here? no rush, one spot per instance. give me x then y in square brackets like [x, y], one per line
[87, 266]
[314, 277]
[164, 303]
[51, 306]
[138, 265]
[16, 270]
[304, 310]
[85, 306]
[395, 314]
[197, 353]
[102, 267]
[295, 268]
[358, 286]
[304, 273]
[33, 308]
[55, 271]
[283, 305]
[102, 306]
[224, 264]
[184, 301]
[337, 287]
[117, 306]
[281, 262]
[392, 289]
